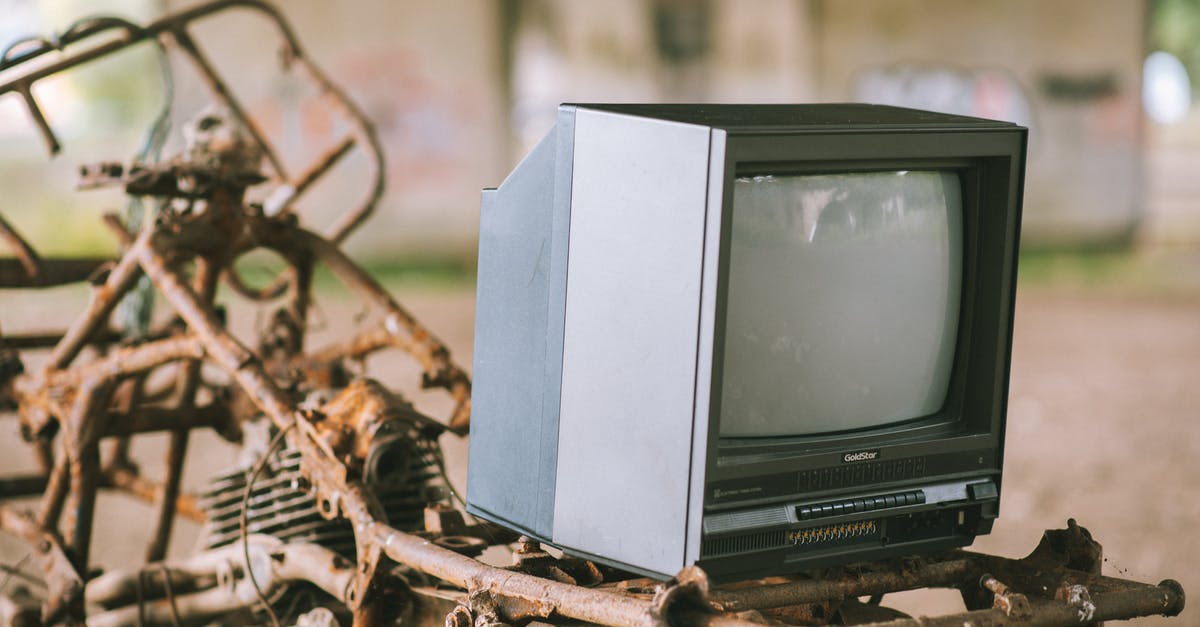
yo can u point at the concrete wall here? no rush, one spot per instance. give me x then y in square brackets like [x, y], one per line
[460, 89]
[426, 73]
[1069, 70]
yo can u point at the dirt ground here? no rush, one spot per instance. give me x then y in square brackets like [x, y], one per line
[1104, 426]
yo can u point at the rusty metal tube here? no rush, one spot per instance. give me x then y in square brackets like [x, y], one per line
[104, 299]
[21, 486]
[56, 493]
[176, 450]
[223, 95]
[26, 255]
[39, 118]
[1163, 599]
[127, 480]
[207, 273]
[83, 434]
[360, 345]
[151, 419]
[50, 272]
[28, 341]
[365, 135]
[63, 582]
[199, 607]
[309, 176]
[936, 574]
[289, 562]
[566, 600]
[132, 360]
[224, 349]
[154, 29]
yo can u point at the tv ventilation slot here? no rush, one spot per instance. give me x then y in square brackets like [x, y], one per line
[735, 521]
[744, 543]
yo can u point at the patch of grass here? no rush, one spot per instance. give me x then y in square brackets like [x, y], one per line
[1083, 268]
[404, 274]
[394, 274]
[1129, 271]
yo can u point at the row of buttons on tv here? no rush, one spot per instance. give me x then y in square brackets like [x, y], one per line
[862, 473]
[853, 506]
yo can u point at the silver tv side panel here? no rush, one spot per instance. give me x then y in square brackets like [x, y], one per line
[518, 339]
[639, 193]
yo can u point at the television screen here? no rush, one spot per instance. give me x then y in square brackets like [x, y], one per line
[843, 300]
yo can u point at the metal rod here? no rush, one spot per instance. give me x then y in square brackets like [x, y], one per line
[366, 136]
[151, 419]
[176, 450]
[152, 30]
[576, 602]
[128, 480]
[33, 341]
[31, 105]
[64, 585]
[1117, 605]
[25, 253]
[314, 172]
[104, 299]
[927, 574]
[82, 436]
[223, 348]
[14, 273]
[56, 492]
[300, 297]
[20, 486]
[43, 453]
[225, 96]
[207, 273]
[360, 345]
[132, 360]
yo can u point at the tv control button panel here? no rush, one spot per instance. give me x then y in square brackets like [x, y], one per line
[836, 510]
[864, 504]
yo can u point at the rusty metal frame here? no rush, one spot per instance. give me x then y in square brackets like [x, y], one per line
[81, 398]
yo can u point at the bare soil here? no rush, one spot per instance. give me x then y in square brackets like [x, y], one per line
[1104, 427]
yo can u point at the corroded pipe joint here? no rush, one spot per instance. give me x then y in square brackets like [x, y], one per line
[1174, 605]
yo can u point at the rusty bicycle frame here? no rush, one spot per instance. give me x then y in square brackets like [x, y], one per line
[82, 397]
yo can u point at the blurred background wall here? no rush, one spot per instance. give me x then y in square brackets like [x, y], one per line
[460, 89]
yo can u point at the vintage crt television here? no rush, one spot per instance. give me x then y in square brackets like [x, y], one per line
[758, 339]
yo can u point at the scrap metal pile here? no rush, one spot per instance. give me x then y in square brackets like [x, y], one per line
[343, 512]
